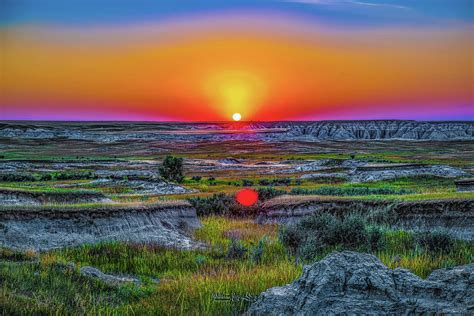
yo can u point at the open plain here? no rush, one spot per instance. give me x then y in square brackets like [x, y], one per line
[88, 225]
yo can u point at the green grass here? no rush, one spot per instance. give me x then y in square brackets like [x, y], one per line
[188, 279]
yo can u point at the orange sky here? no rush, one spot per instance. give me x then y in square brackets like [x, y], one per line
[180, 72]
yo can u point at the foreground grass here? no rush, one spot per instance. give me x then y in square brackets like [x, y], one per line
[44, 284]
[188, 279]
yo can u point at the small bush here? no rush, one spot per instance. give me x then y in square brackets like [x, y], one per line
[351, 232]
[210, 179]
[247, 183]
[196, 178]
[269, 193]
[236, 249]
[200, 260]
[281, 182]
[256, 253]
[17, 177]
[46, 177]
[264, 182]
[314, 234]
[435, 241]
[217, 204]
[172, 169]
[385, 215]
[375, 239]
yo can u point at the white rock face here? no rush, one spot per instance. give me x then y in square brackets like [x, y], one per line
[44, 229]
[359, 284]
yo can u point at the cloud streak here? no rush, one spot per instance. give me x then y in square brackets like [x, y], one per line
[348, 2]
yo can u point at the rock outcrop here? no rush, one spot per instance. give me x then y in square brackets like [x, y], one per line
[320, 130]
[359, 284]
[110, 279]
[393, 171]
[361, 171]
[44, 228]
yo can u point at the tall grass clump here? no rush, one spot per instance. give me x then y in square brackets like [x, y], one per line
[217, 204]
[322, 233]
[435, 242]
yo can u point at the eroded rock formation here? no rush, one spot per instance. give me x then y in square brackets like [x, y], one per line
[456, 216]
[44, 228]
[355, 283]
[322, 130]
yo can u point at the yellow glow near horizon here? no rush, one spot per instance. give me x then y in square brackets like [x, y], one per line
[236, 117]
[233, 92]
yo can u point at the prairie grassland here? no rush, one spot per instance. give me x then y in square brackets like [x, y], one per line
[42, 283]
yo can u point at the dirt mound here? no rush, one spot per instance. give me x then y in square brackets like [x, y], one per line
[354, 283]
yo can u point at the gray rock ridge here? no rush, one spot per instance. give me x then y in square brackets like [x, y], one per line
[110, 279]
[48, 228]
[367, 174]
[354, 283]
[107, 278]
[303, 130]
[357, 171]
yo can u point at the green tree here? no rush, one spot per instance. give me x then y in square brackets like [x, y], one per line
[172, 169]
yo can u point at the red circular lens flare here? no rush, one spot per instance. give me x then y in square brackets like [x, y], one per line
[247, 197]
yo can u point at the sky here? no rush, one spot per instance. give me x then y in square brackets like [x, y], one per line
[172, 60]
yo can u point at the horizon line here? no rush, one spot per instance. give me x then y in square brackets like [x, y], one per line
[230, 121]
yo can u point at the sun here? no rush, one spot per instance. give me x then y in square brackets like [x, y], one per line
[236, 117]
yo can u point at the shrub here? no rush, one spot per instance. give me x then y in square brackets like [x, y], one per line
[314, 234]
[264, 182]
[281, 181]
[200, 260]
[46, 177]
[196, 178]
[172, 169]
[236, 249]
[268, 193]
[351, 232]
[221, 204]
[14, 177]
[217, 204]
[291, 237]
[256, 253]
[210, 179]
[247, 183]
[435, 241]
[384, 215]
[375, 239]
